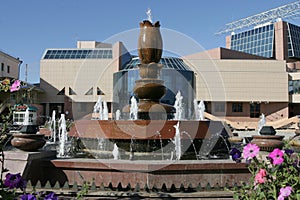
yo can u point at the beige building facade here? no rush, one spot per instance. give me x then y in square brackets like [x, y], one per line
[9, 66]
[235, 85]
[75, 78]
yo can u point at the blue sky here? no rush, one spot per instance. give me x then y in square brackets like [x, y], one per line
[29, 27]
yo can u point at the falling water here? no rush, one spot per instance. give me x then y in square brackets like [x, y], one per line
[53, 126]
[192, 142]
[118, 115]
[161, 144]
[201, 108]
[177, 142]
[209, 144]
[98, 108]
[261, 123]
[197, 117]
[104, 111]
[63, 150]
[101, 143]
[133, 109]
[132, 148]
[178, 115]
[115, 152]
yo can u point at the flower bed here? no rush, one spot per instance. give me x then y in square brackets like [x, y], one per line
[274, 176]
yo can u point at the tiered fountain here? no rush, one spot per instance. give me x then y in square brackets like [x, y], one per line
[150, 133]
[154, 150]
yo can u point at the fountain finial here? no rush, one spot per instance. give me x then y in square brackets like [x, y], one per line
[150, 41]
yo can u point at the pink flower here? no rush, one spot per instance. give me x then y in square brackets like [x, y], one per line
[250, 151]
[15, 86]
[259, 177]
[284, 192]
[276, 156]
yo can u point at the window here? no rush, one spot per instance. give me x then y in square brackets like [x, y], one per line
[254, 110]
[237, 107]
[71, 91]
[8, 69]
[2, 66]
[99, 92]
[90, 91]
[219, 107]
[62, 92]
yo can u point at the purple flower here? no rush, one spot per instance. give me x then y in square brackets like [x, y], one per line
[14, 181]
[28, 197]
[51, 196]
[276, 156]
[235, 155]
[284, 192]
[289, 152]
[250, 151]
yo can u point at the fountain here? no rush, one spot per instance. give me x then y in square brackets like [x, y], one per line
[178, 106]
[53, 127]
[64, 147]
[267, 139]
[27, 137]
[199, 109]
[154, 146]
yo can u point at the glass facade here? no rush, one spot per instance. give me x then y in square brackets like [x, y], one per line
[78, 54]
[294, 87]
[258, 41]
[168, 62]
[293, 40]
[175, 79]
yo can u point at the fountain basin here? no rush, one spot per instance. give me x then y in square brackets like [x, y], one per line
[151, 136]
[28, 142]
[149, 90]
[144, 129]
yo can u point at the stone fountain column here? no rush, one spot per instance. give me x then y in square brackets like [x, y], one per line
[150, 89]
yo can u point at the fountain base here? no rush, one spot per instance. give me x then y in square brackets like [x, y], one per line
[199, 139]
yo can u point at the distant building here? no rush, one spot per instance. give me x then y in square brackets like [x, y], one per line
[257, 73]
[28, 93]
[9, 66]
[74, 78]
[279, 41]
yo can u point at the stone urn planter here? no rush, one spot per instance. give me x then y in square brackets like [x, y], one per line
[268, 142]
[28, 142]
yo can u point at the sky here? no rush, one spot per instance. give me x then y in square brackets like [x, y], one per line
[28, 28]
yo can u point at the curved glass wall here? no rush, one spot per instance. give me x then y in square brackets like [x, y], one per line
[174, 79]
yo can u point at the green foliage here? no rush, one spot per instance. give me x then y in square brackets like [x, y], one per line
[84, 190]
[273, 176]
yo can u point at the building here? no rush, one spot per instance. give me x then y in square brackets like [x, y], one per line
[239, 87]
[9, 70]
[257, 73]
[74, 78]
[27, 94]
[9, 66]
[280, 41]
[176, 74]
